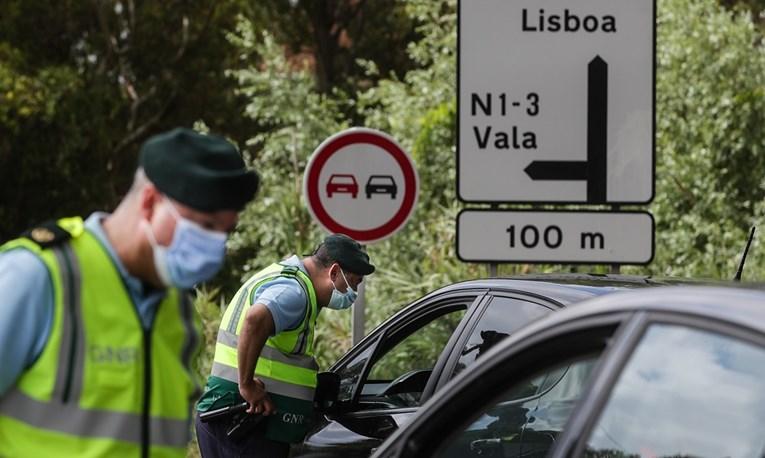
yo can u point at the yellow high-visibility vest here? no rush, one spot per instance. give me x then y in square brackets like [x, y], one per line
[286, 364]
[103, 386]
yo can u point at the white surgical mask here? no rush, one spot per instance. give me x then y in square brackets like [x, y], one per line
[341, 301]
[195, 254]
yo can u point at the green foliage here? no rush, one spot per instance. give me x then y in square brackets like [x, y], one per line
[332, 34]
[710, 139]
[82, 84]
[295, 117]
[210, 306]
[23, 96]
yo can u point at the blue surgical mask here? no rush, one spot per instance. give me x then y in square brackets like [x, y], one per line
[195, 254]
[341, 301]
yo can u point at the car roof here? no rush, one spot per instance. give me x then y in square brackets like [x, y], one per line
[743, 305]
[564, 288]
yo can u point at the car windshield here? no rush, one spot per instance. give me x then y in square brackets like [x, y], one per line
[381, 180]
[341, 179]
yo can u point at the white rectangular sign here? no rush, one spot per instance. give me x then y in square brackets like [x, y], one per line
[555, 237]
[556, 101]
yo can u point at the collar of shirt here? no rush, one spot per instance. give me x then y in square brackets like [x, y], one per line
[144, 296]
[294, 260]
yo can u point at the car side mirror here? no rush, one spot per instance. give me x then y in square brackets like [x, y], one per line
[327, 390]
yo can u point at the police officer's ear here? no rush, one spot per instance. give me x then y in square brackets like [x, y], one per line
[332, 271]
[148, 198]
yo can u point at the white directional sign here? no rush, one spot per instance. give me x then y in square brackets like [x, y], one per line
[555, 237]
[556, 101]
[361, 183]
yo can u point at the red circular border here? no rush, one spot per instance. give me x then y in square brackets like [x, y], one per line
[313, 191]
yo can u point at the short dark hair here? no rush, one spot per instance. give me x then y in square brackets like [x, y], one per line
[322, 257]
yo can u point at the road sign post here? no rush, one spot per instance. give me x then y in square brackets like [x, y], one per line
[361, 183]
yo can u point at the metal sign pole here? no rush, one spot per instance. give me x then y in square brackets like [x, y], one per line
[493, 269]
[358, 314]
[615, 269]
[493, 265]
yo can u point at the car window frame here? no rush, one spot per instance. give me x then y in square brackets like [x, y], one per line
[398, 326]
[587, 414]
[451, 361]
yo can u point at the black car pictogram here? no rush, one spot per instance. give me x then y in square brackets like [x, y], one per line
[381, 184]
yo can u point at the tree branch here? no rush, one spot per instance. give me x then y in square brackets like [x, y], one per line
[141, 131]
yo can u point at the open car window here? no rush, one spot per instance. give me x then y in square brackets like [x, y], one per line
[398, 375]
[350, 374]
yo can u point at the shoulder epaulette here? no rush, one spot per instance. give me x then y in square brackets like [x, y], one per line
[47, 234]
[289, 270]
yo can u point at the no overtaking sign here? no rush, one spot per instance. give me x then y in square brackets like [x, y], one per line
[361, 183]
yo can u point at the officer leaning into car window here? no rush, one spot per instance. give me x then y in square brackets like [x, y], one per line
[264, 351]
[97, 332]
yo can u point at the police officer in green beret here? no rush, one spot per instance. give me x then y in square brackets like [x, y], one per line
[98, 332]
[264, 353]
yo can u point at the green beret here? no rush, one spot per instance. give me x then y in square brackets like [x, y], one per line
[204, 172]
[348, 253]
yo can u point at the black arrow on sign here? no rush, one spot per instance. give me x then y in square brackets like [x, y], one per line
[594, 168]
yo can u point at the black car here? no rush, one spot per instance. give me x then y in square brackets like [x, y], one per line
[668, 372]
[392, 371]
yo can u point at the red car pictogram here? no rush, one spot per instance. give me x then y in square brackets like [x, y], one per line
[342, 184]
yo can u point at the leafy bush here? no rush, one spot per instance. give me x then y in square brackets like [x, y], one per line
[710, 139]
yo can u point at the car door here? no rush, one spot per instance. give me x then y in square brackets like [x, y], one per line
[382, 381]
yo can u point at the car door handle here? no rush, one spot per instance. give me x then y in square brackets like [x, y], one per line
[485, 446]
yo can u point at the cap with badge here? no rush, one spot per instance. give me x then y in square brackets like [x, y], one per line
[348, 253]
[204, 172]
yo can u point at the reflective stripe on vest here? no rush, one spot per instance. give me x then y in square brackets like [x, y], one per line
[230, 341]
[68, 419]
[286, 364]
[86, 393]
